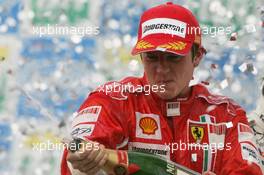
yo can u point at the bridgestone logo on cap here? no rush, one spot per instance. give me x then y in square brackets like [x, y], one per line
[164, 26]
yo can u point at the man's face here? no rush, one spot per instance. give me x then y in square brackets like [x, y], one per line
[172, 71]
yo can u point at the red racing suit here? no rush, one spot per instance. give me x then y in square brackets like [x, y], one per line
[203, 132]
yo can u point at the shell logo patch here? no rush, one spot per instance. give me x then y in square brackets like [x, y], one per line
[174, 45]
[148, 125]
[197, 133]
[143, 45]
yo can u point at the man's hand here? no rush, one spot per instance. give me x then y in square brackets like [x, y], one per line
[89, 159]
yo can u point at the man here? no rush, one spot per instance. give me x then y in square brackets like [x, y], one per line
[160, 113]
[256, 119]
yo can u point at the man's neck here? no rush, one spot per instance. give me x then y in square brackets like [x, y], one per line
[185, 94]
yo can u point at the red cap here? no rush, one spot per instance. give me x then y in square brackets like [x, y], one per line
[168, 27]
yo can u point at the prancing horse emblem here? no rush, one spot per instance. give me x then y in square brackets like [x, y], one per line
[197, 133]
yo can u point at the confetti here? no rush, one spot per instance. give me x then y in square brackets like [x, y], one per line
[214, 66]
[233, 37]
[248, 67]
[224, 84]
[229, 125]
[251, 28]
[243, 67]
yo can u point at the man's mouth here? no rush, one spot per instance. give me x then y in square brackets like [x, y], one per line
[165, 81]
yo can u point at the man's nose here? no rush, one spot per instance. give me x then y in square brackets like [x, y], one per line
[163, 66]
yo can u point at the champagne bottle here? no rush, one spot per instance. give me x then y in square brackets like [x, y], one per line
[122, 162]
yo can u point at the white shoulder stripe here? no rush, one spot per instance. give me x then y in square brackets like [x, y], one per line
[89, 114]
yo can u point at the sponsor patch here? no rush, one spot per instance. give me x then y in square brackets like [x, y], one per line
[217, 134]
[89, 114]
[82, 130]
[148, 126]
[197, 133]
[206, 131]
[250, 153]
[158, 149]
[164, 26]
[173, 109]
[245, 134]
[206, 118]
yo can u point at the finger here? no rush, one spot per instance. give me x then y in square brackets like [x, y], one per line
[85, 149]
[88, 159]
[95, 156]
[89, 163]
[103, 161]
[72, 157]
[100, 155]
[90, 154]
[99, 160]
[97, 168]
[78, 163]
[82, 164]
[93, 171]
[75, 165]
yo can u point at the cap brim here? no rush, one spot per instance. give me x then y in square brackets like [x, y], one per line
[166, 44]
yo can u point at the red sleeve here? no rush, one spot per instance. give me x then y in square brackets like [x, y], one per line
[64, 167]
[102, 119]
[243, 158]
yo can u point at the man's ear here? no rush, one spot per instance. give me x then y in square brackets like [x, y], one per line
[198, 57]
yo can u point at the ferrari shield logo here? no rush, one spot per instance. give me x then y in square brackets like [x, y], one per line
[197, 133]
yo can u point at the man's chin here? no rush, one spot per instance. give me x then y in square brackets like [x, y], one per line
[165, 95]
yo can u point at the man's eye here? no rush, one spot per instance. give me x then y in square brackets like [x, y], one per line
[174, 57]
[152, 57]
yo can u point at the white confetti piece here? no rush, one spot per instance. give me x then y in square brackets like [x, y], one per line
[194, 157]
[224, 84]
[251, 28]
[229, 125]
